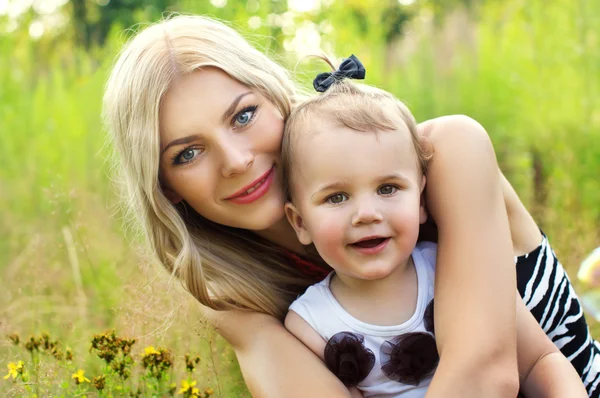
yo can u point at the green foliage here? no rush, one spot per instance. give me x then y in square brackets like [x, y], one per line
[528, 71]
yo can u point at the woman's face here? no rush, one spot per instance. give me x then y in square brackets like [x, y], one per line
[220, 145]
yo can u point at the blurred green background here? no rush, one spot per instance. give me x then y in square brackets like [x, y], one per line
[527, 70]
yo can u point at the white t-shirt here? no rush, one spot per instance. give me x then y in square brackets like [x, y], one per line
[319, 308]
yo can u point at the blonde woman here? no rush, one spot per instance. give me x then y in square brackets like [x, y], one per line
[196, 115]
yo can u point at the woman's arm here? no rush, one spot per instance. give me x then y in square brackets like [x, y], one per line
[274, 363]
[475, 276]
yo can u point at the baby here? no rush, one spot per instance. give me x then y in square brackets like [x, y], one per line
[355, 167]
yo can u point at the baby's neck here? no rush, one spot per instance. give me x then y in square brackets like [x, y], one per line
[387, 301]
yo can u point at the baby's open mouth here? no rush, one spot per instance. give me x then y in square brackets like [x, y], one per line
[369, 243]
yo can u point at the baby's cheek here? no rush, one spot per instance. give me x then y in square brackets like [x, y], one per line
[406, 227]
[329, 241]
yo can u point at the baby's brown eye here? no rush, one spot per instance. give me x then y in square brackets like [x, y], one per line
[387, 190]
[337, 198]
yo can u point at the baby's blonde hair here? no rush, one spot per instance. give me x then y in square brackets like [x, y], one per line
[356, 106]
[223, 267]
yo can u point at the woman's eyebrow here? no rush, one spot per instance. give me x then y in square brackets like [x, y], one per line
[180, 141]
[234, 105]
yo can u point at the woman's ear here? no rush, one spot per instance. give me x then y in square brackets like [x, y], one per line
[295, 219]
[171, 195]
[422, 208]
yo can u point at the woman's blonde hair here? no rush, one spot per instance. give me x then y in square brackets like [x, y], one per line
[356, 106]
[222, 267]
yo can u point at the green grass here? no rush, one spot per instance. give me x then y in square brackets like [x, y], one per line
[68, 268]
[529, 71]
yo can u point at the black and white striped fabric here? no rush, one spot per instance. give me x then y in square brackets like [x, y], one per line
[549, 295]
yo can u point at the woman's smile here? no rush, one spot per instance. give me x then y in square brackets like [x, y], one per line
[254, 190]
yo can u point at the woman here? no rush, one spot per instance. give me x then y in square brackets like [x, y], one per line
[197, 116]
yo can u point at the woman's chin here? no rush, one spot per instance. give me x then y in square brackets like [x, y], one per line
[261, 219]
[270, 214]
[266, 222]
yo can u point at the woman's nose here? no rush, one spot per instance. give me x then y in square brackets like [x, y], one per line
[366, 212]
[237, 159]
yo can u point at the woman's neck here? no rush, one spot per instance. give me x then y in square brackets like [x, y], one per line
[282, 234]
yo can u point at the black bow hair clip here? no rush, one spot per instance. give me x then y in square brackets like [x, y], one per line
[350, 67]
[348, 358]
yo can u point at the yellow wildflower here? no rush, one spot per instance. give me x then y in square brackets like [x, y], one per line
[188, 389]
[14, 369]
[79, 377]
[150, 350]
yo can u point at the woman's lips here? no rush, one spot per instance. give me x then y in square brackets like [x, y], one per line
[254, 191]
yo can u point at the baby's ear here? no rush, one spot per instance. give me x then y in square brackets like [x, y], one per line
[295, 219]
[422, 207]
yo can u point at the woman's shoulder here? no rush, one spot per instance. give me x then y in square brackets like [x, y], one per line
[463, 128]
[450, 138]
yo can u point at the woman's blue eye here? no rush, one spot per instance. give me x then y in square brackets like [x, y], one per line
[244, 117]
[387, 190]
[337, 198]
[187, 155]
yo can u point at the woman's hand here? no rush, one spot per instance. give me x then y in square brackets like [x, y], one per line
[543, 369]
[475, 275]
[274, 363]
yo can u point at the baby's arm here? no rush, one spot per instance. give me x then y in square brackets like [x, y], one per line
[307, 335]
[544, 372]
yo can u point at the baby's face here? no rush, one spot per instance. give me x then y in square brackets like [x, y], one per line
[357, 197]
